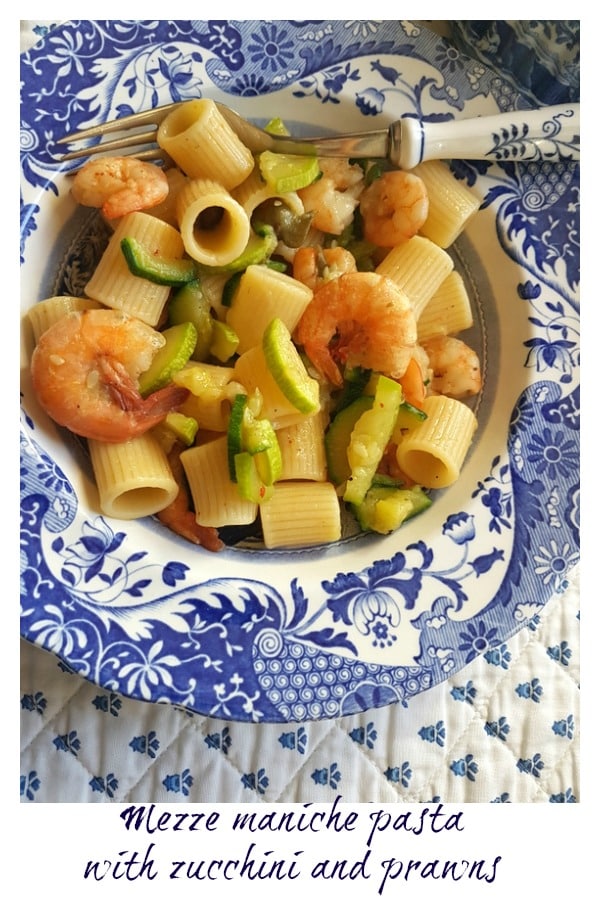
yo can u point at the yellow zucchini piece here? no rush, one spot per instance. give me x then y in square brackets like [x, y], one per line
[370, 437]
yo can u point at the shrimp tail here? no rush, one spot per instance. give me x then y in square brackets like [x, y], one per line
[325, 361]
[164, 401]
[125, 393]
[146, 411]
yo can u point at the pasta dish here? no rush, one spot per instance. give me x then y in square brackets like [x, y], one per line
[267, 343]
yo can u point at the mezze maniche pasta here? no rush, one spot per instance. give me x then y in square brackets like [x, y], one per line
[269, 344]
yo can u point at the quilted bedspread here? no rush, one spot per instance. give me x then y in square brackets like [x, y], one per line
[503, 729]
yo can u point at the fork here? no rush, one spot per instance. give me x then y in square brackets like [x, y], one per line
[549, 133]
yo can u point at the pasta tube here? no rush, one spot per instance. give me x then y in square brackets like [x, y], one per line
[45, 313]
[432, 454]
[134, 478]
[214, 227]
[303, 449]
[114, 285]
[419, 267]
[315, 518]
[262, 295]
[452, 204]
[449, 310]
[251, 370]
[217, 500]
[203, 144]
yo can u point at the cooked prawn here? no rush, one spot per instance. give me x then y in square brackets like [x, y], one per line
[85, 371]
[314, 265]
[179, 516]
[334, 196]
[393, 208]
[359, 319]
[119, 185]
[456, 371]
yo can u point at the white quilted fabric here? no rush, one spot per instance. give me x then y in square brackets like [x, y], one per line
[504, 729]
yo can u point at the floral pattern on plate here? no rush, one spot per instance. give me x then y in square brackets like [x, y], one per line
[370, 621]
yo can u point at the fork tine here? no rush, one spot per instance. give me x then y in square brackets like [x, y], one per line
[133, 140]
[125, 123]
[153, 154]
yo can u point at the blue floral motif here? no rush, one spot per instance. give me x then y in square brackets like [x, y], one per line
[433, 733]
[105, 785]
[547, 352]
[460, 527]
[327, 86]
[271, 47]
[370, 101]
[553, 453]
[554, 562]
[399, 774]
[178, 783]
[561, 653]
[499, 656]
[145, 743]
[111, 703]
[29, 785]
[256, 781]
[328, 777]
[230, 695]
[527, 193]
[294, 740]
[496, 496]
[476, 639]
[42, 30]
[499, 729]
[466, 694]
[514, 141]
[448, 59]
[89, 556]
[531, 766]
[69, 743]
[372, 600]
[225, 41]
[366, 736]
[34, 702]
[563, 797]
[367, 601]
[465, 767]
[219, 740]
[565, 727]
[151, 668]
[530, 690]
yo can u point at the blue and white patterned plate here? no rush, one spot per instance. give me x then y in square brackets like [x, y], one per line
[255, 635]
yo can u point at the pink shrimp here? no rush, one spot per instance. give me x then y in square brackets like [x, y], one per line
[333, 197]
[119, 185]
[85, 371]
[393, 208]
[359, 319]
[314, 265]
[456, 370]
